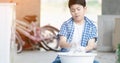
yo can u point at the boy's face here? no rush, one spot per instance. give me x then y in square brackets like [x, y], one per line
[77, 12]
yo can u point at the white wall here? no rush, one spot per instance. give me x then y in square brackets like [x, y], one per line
[6, 20]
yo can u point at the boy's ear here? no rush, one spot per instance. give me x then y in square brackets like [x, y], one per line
[85, 8]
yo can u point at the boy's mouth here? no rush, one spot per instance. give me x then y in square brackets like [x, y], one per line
[76, 16]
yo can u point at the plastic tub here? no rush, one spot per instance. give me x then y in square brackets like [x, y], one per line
[77, 57]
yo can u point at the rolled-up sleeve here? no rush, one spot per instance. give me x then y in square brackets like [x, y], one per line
[93, 33]
[63, 31]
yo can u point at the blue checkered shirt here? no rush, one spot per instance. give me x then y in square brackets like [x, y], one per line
[89, 32]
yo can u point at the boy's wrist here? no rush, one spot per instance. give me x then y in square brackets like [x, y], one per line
[83, 49]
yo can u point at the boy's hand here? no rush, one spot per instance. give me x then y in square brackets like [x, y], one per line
[75, 47]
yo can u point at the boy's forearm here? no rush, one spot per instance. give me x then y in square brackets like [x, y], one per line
[91, 45]
[64, 45]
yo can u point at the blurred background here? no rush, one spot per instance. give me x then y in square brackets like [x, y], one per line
[105, 13]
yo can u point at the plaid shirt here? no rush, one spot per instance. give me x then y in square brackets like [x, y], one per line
[90, 31]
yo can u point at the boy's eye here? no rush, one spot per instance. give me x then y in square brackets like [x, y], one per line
[78, 9]
[72, 10]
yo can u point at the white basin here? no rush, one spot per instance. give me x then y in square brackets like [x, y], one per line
[77, 57]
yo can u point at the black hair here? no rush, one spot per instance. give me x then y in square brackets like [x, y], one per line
[81, 2]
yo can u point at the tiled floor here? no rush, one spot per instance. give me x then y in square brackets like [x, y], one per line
[106, 57]
[48, 57]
